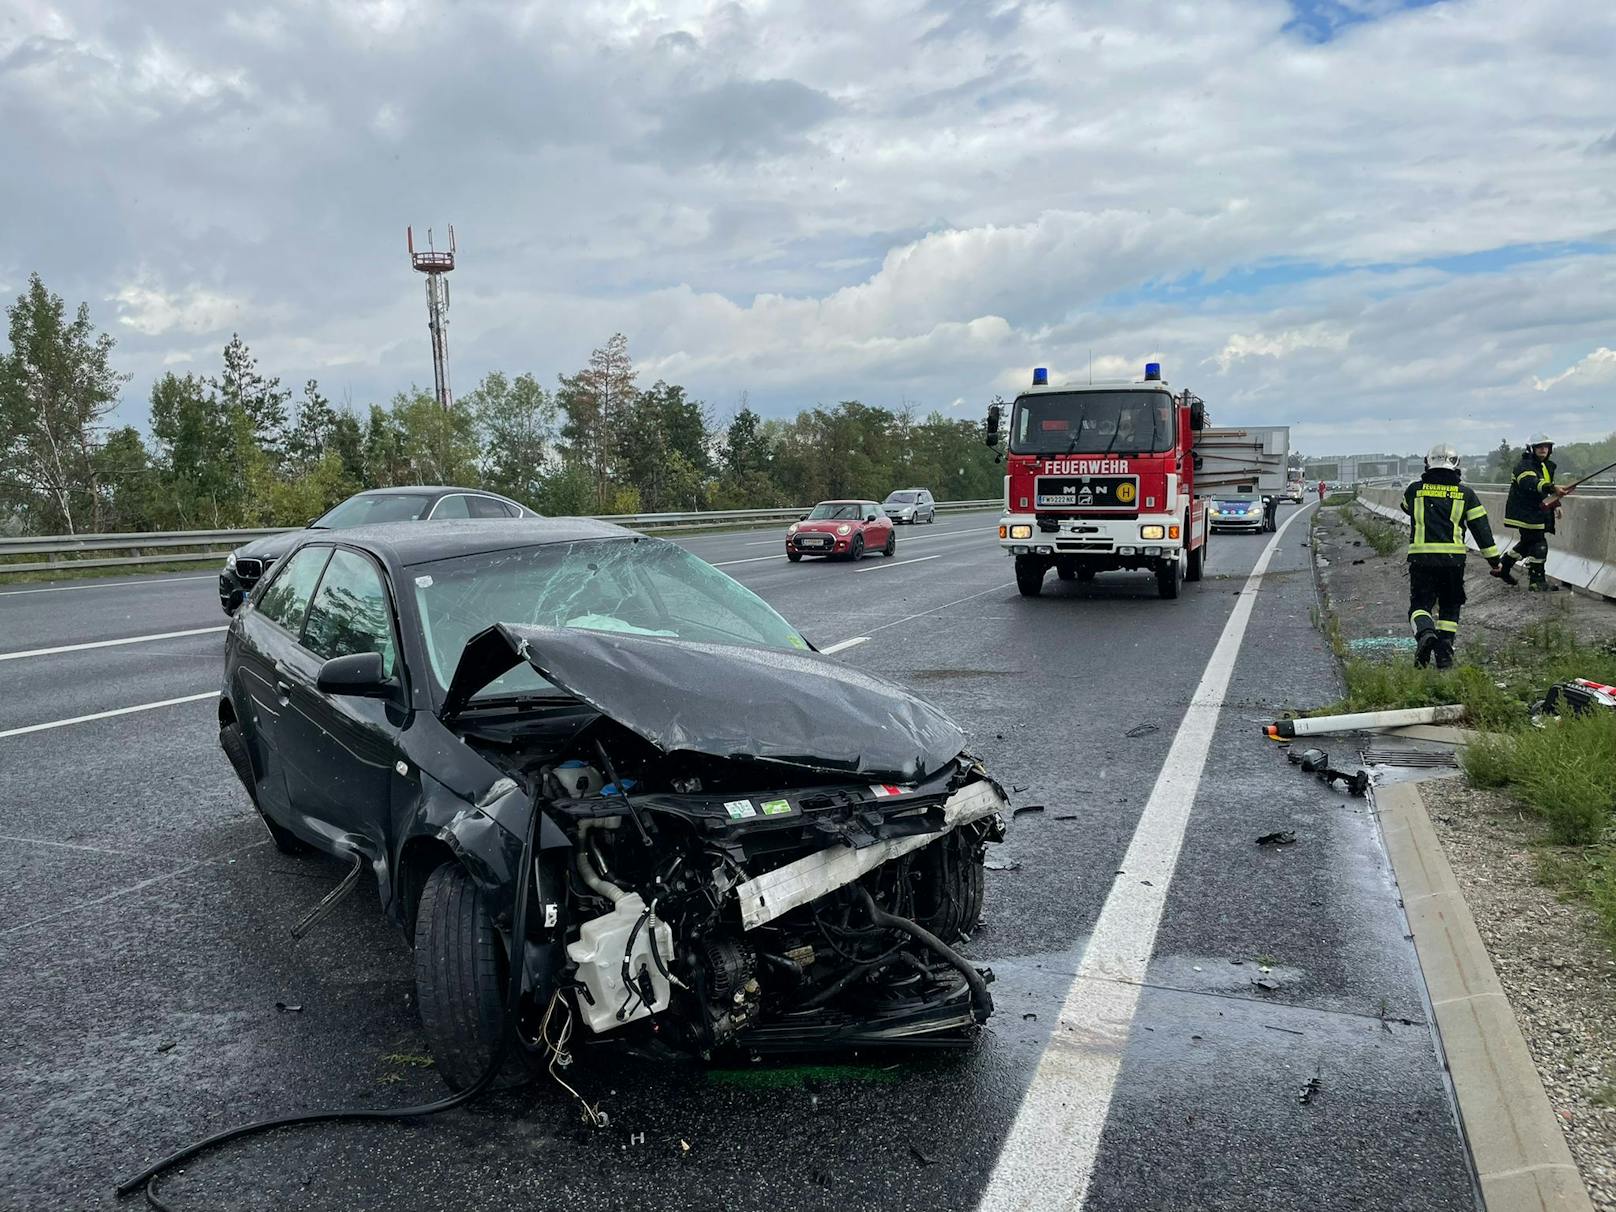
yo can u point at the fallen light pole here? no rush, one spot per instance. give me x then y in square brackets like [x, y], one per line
[1284, 730]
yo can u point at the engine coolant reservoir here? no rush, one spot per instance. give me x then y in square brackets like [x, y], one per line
[598, 953]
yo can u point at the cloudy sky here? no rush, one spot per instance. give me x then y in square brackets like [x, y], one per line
[1381, 222]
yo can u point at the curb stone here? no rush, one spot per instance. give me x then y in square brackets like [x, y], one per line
[1520, 1154]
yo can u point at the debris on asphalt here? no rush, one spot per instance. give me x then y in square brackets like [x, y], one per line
[1017, 788]
[1286, 1030]
[1309, 1089]
[1029, 1016]
[1141, 730]
[1266, 985]
[1014, 812]
[1317, 762]
[168, 1045]
[286, 1008]
[1579, 694]
[998, 864]
[1281, 837]
[1064, 816]
[924, 1158]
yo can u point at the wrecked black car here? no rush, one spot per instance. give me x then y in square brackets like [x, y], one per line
[735, 843]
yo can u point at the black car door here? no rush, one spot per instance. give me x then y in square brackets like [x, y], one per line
[269, 631]
[341, 751]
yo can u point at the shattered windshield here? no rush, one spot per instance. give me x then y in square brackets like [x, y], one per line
[1092, 422]
[836, 511]
[640, 586]
[376, 507]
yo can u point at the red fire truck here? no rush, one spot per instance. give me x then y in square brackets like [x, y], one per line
[1116, 476]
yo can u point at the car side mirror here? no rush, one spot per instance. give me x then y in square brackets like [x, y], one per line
[869, 517]
[990, 435]
[360, 674]
[309, 525]
[802, 517]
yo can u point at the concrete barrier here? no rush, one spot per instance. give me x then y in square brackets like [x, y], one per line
[1582, 551]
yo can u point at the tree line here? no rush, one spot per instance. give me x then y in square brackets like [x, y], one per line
[236, 449]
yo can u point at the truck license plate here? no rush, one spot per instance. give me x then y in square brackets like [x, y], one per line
[1106, 493]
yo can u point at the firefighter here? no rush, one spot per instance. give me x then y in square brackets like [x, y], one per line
[1321, 492]
[1440, 509]
[1533, 500]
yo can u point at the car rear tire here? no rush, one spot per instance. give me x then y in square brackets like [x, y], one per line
[858, 548]
[891, 549]
[1030, 575]
[460, 975]
[234, 744]
[1169, 576]
[793, 556]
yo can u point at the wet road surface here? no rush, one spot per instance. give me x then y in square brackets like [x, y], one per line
[145, 946]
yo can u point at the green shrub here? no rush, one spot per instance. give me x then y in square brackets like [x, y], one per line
[1566, 770]
[1385, 537]
[1589, 873]
[1489, 760]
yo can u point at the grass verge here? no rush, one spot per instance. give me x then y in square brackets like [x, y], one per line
[1383, 536]
[1340, 498]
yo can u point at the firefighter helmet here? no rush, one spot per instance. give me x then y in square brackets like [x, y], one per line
[1444, 456]
[1540, 439]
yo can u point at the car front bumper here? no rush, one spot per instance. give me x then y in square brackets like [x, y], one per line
[1245, 521]
[839, 546]
[1113, 542]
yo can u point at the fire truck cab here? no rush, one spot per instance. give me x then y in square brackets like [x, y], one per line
[1102, 476]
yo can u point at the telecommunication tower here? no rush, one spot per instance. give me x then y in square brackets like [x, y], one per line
[434, 265]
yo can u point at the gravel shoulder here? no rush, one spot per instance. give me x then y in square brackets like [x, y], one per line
[1557, 971]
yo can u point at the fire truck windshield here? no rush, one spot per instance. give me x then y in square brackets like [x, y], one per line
[1093, 422]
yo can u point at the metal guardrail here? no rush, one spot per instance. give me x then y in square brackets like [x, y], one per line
[55, 546]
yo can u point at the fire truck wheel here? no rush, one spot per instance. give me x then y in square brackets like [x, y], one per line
[1197, 561]
[1030, 575]
[1066, 572]
[1169, 576]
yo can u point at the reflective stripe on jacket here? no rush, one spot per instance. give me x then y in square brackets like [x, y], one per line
[1440, 509]
[1527, 488]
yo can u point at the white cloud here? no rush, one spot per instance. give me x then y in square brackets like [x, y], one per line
[1260, 345]
[152, 312]
[1597, 367]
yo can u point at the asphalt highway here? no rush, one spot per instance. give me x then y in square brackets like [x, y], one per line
[1185, 1019]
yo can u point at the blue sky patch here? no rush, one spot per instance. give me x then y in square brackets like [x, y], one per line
[1322, 20]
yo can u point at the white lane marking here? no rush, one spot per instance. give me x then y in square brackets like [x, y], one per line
[842, 645]
[11, 593]
[753, 559]
[106, 715]
[897, 563]
[1049, 1154]
[134, 639]
[920, 614]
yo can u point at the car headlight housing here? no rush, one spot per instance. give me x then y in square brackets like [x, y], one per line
[1021, 532]
[844, 529]
[1152, 532]
[792, 529]
[230, 562]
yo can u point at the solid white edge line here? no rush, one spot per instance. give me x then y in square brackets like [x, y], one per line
[753, 559]
[843, 645]
[12, 593]
[897, 564]
[106, 715]
[134, 639]
[1049, 1154]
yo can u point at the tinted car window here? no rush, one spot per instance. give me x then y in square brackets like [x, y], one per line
[488, 507]
[287, 597]
[350, 612]
[376, 507]
[449, 508]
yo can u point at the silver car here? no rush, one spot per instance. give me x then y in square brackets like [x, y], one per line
[910, 505]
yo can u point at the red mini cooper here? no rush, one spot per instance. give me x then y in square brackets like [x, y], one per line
[841, 528]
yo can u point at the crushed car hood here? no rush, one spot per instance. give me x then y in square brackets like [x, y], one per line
[725, 701]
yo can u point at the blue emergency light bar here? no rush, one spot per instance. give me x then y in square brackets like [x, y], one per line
[1040, 376]
[1152, 371]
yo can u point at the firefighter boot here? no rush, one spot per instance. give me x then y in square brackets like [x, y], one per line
[1444, 653]
[1501, 570]
[1537, 580]
[1426, 643]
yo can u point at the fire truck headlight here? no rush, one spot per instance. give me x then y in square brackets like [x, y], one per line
[1019, 549]
[844, 529]
[1044, 550]
[1152, 532]
[1021, 532]
[1125, 551]
[1152, 551]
